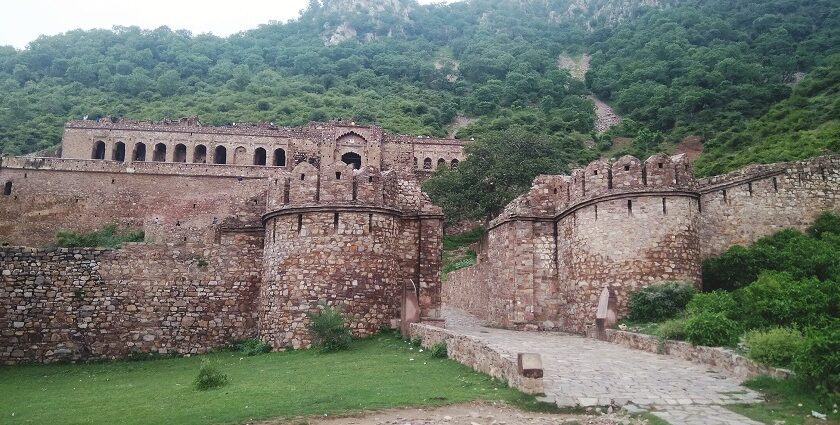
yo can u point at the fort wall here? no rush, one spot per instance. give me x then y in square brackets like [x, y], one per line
[623, 226]
[70, 304]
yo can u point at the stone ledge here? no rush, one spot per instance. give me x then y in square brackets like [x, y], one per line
[478, 355]
[718, 358]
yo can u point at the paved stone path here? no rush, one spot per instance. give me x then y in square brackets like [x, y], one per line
[587, 372]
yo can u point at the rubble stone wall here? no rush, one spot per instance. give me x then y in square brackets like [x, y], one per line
[70, 304]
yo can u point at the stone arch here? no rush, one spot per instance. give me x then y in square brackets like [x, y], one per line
[220, 155]
[200, 154]
[350, 136]
[259, 156]
[441, 163]
[353, 159]
[98, 151]
[159, 154]
[240, 156]
[139, 152]
[454, 163]
[279, 157]
[180, 153]
[119, 152]
[427, 164]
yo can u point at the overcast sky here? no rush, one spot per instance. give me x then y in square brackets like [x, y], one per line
[22, 21]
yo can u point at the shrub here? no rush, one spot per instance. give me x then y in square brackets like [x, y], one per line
[252, 347]
[209, 377]
[819, 359]
[774, 347]
[777, 299]
[328, 330]
[672, 329]
[438, 350]
[733, 269]
[712, 329]
[711, 302]
[108, 237]
[659, 302]
[827, 222]
[416, 341]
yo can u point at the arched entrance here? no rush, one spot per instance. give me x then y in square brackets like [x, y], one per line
[353, 159]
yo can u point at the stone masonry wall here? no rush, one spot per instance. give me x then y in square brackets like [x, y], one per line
[70, 304]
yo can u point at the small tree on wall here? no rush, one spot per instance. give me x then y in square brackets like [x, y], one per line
[328, 330]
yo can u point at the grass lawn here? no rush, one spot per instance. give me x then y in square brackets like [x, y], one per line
[376, 373]
[784, 398]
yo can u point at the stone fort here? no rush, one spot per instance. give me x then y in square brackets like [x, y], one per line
[249, 227]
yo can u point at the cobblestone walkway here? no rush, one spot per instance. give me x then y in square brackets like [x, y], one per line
[587, 372]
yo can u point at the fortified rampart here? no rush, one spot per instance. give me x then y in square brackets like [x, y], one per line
[623, 225]
[232, 249]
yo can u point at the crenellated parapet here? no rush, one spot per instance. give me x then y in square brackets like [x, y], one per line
[552, 195]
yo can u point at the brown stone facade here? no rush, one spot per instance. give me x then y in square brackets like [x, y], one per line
[624, 225]
[232, 250]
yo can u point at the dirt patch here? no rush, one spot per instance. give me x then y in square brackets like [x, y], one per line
[605, 117]
[466, 414]
[577, 68]
[691, 146]
[459, 123]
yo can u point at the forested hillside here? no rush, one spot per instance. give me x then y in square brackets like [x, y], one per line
[725, 71]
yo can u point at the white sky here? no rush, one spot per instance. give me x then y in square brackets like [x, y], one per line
[22, 21]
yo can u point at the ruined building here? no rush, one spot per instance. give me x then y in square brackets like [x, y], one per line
[247, 228]
[575, 243]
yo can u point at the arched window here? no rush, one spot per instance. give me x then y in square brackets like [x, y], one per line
[98, 150]
[441, 163]
[427, 164]
[240, 157]
[139, 152]
[279, 158]
[7, 189]
[119, 152]
[454, 163]
[159, 154]
[353, 159]
[259, 156]
[200, 154]
[180, 153]
[220, 155]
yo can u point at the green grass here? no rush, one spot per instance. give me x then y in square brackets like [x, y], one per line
[456, 254]
[108, 237]
[783, 403]
[376, 373]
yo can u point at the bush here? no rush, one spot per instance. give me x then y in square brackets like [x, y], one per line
[777, 299]
[672, 329]
[819, 359]
[416, 341]
[108, 237]
[328, 330]
[438, 350]
[209, 377]
[659, 302]
[711, 302]
[774, 347]
[827, 222]
[252, 347]
[712, 329]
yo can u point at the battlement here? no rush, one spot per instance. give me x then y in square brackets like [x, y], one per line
[552, 195]
[152, 168]
[340, 185]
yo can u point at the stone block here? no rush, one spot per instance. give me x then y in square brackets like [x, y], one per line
[529, 365]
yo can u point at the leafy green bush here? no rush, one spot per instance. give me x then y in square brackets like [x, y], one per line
[252, 347]
[777, 299]
[209, 376]
[438, 350]
[469, 237]
[659, 302]
[711, 302]
[328, 330]
[774, 347]
[108, 237]
[673, 329]
[712, 329]
[819, 359]
[826, 222]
